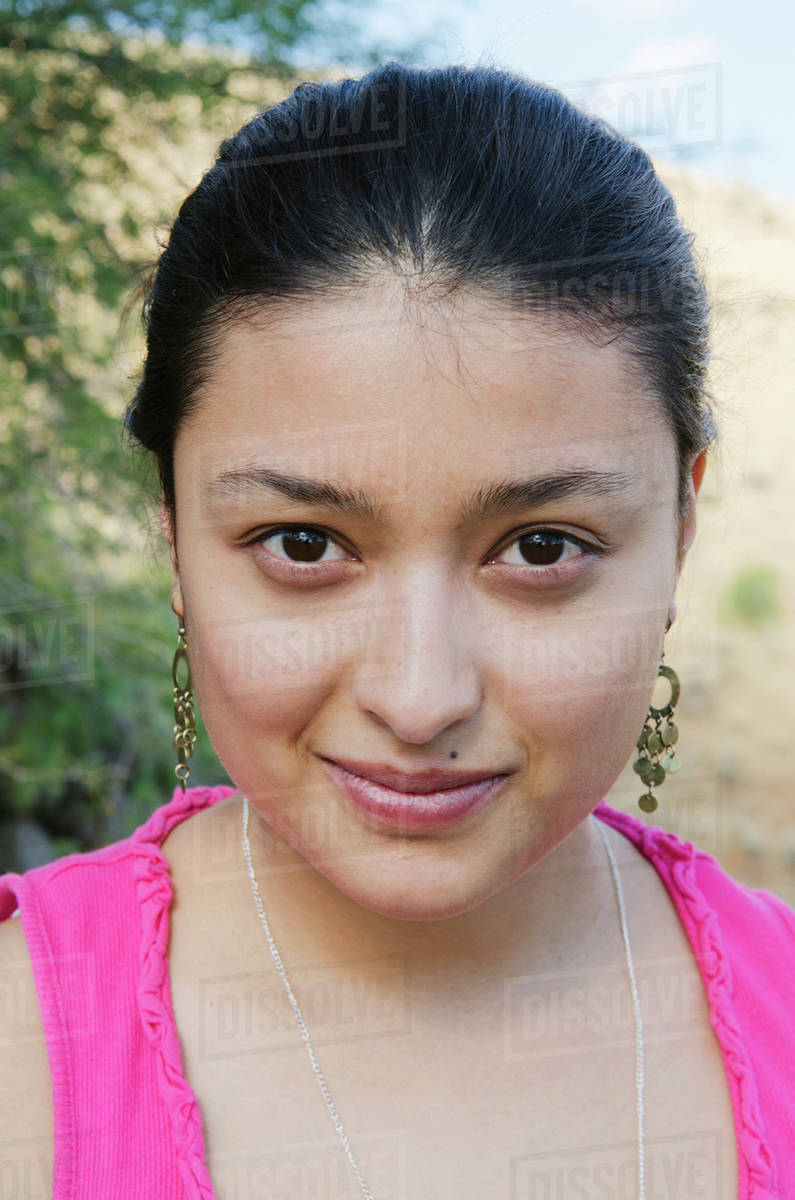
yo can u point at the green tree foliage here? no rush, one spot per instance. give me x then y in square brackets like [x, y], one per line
[93, 109]
[273, 32]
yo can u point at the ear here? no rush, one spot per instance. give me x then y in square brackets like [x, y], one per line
[697, 469]
[177, 602]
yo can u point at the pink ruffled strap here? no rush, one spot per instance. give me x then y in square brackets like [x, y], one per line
[675, 862]
[154, 892]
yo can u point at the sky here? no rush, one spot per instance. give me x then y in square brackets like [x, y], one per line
[706, 83]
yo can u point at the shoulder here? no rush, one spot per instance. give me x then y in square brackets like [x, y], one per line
[59, 925]
[72, 909]
[74, 891]
[727, 920]
[47, 931]
[748, 940]
[758, 926]
[741, 899]
[25, 1079]
[744, 938]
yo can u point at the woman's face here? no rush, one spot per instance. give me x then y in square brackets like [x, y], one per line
[426, 618]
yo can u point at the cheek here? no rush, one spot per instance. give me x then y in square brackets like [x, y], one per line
[263, 677]
[577, 690]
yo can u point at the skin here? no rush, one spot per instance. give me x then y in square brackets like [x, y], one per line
[418, 634]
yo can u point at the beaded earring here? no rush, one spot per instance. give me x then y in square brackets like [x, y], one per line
[657, 757]
[184, 723]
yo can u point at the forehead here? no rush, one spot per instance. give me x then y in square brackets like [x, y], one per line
[456, 382]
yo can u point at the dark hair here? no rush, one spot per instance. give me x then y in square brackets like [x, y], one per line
[458, 178]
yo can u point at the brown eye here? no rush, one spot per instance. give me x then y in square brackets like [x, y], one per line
[299, 545]
[541, 546]
[544, 548]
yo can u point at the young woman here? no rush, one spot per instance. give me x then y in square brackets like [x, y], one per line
[425, 381]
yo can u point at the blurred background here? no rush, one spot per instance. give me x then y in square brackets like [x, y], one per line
[110, 113]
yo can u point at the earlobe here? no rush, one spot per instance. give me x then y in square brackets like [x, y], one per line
[177, 606]
[177, 602]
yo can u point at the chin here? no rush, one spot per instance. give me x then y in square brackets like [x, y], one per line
[414, 896]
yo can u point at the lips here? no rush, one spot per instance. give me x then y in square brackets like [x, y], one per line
[414, 782]
[429, 810]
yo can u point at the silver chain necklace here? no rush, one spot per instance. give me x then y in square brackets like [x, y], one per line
[321, 1079]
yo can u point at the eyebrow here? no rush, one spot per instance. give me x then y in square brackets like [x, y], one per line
[502, 496]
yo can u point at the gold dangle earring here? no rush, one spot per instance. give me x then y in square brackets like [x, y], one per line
[656, 754]
[184, 726]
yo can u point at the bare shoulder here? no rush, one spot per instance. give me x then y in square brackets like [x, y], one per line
[25, 1080]
[200, 843]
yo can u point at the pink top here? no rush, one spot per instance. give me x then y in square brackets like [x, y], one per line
[126, 1121]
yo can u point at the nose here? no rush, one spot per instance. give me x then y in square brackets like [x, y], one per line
[419, 672]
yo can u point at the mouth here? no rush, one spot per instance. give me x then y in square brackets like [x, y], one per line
[399, 779]
[426, 801]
